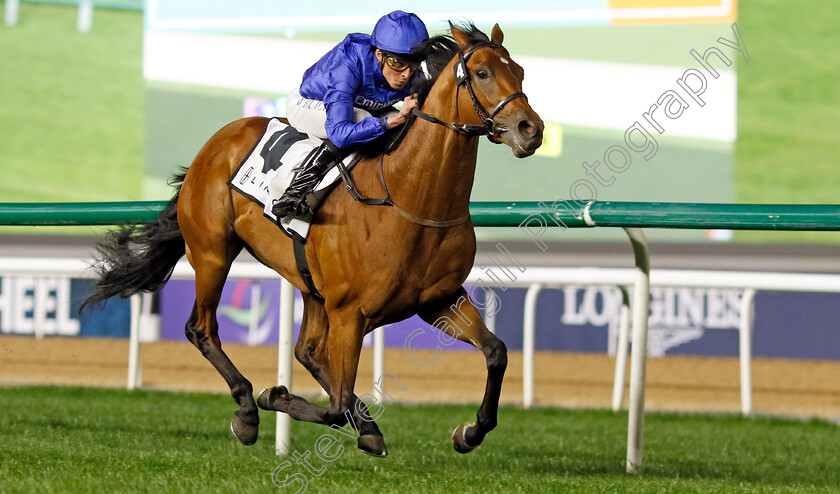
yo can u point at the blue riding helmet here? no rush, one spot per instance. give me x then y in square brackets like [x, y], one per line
[398, 32]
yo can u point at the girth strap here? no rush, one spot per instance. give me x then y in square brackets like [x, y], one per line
[303, 265]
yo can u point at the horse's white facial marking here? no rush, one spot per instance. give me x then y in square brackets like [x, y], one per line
[504, 60]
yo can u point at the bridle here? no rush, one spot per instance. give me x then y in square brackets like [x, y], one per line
[490, 128]
[462, 78]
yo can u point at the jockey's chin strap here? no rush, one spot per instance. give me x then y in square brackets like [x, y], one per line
[462, 78]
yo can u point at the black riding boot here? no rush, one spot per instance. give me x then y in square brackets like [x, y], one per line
[293, 200]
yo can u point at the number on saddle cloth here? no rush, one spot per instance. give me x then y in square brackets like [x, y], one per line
[277, 145]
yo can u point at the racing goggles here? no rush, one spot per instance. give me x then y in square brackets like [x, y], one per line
[398, 64]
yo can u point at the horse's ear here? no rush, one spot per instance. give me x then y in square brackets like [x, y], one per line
[460, 36]
[497, 36]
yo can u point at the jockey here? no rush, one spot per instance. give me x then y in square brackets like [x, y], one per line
[346, 98]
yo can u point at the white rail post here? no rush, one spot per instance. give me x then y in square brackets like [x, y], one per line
[638, 364]
[254, 319]
[528, 329]
[745, 332]
[12, 8]
[149, 325]
[40, 327]
[378, 360]
[84, 20]
[284, 362]
[621, 350]
[134, 373]
[490, 319]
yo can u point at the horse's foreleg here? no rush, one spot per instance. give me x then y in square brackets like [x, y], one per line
[458, 317]
[311, 352]
[203, 331]
[344, 344]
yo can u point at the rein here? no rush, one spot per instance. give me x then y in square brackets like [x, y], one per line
[386, 201]
[462, 78]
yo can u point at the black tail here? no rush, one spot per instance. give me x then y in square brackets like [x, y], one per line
[135, 258]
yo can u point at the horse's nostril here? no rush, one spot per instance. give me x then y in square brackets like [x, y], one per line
[527, 128]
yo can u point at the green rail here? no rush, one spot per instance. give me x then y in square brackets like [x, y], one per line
[660, 215]
[78, 213]
[511, 214]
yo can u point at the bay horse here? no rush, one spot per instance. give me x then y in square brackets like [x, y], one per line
[372, 265]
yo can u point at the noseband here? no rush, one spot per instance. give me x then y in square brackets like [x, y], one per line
[462, 78]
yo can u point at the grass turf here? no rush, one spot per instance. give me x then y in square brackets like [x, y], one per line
[58, 439]
[71, 106]
[788, 109]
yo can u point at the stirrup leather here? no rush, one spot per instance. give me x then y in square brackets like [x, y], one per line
[293, 201]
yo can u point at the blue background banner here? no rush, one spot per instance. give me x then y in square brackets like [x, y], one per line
[51, 306]
[701, 322]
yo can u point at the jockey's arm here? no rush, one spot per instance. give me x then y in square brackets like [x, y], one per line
[341, 129]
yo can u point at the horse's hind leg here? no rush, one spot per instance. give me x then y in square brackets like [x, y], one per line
[458, 317]
[311, 352]
[202, 330]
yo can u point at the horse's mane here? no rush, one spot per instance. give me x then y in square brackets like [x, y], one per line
[436, 52]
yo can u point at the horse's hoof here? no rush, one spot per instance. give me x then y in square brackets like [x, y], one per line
[268, 397]
[459, 438]
[372, 445]
[247, 434]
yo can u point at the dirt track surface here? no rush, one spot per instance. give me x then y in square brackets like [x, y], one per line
[782, 387]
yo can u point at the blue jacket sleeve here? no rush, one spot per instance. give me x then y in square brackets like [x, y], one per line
[344, 83]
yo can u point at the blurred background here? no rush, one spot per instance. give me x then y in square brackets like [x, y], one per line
[111, 113]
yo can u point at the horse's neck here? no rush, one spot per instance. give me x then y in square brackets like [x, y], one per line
[431, 173]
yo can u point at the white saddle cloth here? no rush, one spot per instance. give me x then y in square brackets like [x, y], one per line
[268, 170]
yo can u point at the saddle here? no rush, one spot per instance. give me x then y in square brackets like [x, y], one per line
[268, 169]
[266, 172]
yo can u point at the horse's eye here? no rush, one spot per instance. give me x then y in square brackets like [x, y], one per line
[482, 74]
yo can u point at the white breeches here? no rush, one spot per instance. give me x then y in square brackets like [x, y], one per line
[310, 116]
